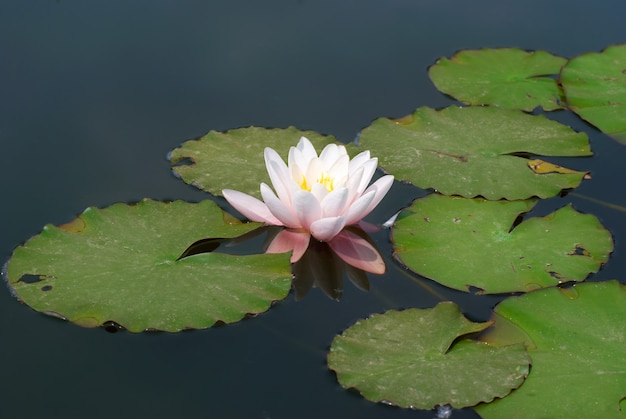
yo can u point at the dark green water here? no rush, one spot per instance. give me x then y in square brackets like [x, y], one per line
[94, 94]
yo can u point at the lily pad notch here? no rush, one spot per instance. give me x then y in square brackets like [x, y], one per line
[422, 358]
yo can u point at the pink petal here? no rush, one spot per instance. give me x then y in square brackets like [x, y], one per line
[290, 240]
[369, 227]
[358, 252]
[250, 207]
[278, 208]
[326, 228]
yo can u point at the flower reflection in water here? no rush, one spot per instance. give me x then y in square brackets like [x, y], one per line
[323, 264]
[319, 264]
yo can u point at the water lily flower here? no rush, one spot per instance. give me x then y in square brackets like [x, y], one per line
[319, 195]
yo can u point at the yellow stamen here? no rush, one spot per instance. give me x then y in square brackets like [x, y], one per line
[304, 185]
[325, 180]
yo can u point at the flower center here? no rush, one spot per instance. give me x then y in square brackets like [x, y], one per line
[324, 179]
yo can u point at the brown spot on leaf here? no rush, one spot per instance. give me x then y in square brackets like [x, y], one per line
[75, 226]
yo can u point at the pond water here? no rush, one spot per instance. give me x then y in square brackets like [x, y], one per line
[94, 95]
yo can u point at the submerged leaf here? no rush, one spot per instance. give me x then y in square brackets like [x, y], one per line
[475, 151]
[578, 350]
[412, 358]
[505, 77]
[474, 243]
[119, 264]
[234, 159]
[595, 88]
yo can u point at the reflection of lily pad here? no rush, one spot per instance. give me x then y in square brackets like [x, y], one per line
[578, 351]
[475, 151]
[595, 87]
[407, 358]
[465, 243]
[506, 77]
[234, 159]
[119, 264]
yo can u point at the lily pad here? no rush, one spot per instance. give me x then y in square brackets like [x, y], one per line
[474, 244]
[412, 359]
[578, 350]
[595, 88]
[119, 264]
[505, 77]
[473, 151]
[234, 159]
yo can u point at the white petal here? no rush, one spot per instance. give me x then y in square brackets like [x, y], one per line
[329, 155]
[279, 174]
[353, 185]
[342, 150]
[340, 181]
[381, 186]
[307, 208]
[297, 164]
[250, 207]
[339, 168]
[334, 203]
[307, 149]
[314, 171]
[359, 160]
[282, 212]
[326, 229]
[319, 191]
[357, 209]
[369, 167]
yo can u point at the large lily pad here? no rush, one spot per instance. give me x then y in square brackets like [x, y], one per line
[119, 264]
[473, 244]
[595, 88]
[578, 350]
[234, 159]
[412, 358]
[506, 77]
[475, 151]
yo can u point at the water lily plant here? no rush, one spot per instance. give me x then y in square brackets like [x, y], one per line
[314, 195]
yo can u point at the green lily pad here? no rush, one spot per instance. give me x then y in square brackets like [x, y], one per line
[473, 244]
[595, 88]
[505, 77]
[234, 159]
[475, 151]
[412, 359]
[119, 264]
[578, 351]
